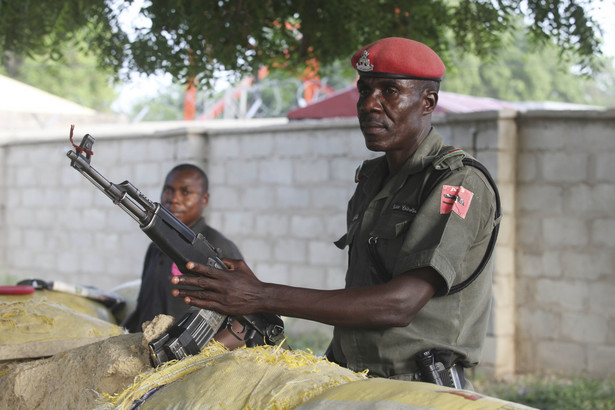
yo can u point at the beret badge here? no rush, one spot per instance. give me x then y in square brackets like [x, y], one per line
[364, 64]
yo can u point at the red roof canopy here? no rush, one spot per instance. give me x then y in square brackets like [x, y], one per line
[343, 104]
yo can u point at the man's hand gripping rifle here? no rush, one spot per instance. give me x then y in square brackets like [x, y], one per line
[189, 334]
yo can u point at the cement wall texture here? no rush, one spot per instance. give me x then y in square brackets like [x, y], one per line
[565, 246]
[279, 190]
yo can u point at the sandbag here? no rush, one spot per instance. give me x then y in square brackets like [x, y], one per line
[79, 303]
[74, 379]
[267, 377]
[263, 377]
[115, 373]
[44, 323]
[377, 393]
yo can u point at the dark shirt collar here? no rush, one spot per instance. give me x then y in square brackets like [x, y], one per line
[199, 225]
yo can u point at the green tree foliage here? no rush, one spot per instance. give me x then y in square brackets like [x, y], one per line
[194, 39]
[75, 77]
[29, 28]
[520, 71]
[516, 73]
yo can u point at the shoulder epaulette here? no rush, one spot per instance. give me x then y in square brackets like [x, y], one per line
[442, 161]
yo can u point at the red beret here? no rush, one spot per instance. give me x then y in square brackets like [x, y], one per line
[397, 57]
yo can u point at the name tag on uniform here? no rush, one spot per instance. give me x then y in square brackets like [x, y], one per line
[404, 208]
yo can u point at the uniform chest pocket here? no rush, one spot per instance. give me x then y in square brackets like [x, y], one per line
[348, 238]
[385, 242]
[392, 225]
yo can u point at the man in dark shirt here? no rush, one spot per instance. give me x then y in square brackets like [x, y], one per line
[185, 194]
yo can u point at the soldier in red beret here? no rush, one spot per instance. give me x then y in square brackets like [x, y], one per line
[421, 226]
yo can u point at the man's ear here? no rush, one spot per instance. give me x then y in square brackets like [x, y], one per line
[430, 100]
[205, 199]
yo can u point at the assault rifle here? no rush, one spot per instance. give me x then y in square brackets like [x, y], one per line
[188, 335]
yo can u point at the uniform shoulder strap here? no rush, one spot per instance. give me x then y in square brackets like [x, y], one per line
[448, 161]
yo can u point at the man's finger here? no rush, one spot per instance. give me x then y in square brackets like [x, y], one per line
[194, 294]
[185, 280]
[198, 303]
[230, 263]
[198, 268]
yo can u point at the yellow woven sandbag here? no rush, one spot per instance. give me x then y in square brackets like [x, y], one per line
[264, 377]
[33, 327]
[379, 393]
[75, 302]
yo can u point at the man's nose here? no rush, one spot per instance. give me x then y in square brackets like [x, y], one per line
[175, 197]
[170, 197]
[369, 102]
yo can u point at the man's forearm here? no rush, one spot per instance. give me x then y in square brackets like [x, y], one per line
[388, 305]
[238, 291]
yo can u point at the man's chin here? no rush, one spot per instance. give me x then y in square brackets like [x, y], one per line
[178, 215]
[373, 145]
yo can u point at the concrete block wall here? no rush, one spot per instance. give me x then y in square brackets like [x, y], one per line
[491, 137]
[280, 191]
[57, 226]
[565, 245]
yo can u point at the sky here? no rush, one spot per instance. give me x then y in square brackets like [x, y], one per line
[147, 86]
[605, 14]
